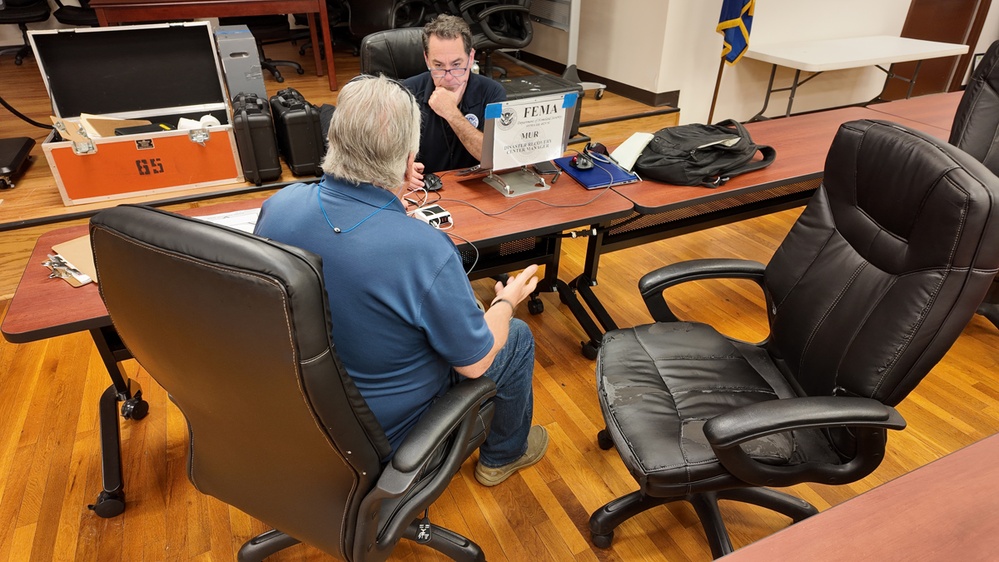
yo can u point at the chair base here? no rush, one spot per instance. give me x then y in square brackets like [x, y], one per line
[271, 66]
[607, 518]
[263, 545]
[446, 541]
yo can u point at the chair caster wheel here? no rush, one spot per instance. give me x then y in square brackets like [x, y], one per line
[300, 70]
[279, 79]
[602, 541]
[108, 505]
[535, 306]
[599, 94]
[604, 440]
[134, 408]
[589, 350]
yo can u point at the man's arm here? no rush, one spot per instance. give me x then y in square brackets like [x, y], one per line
[445, 104]
[499, 315]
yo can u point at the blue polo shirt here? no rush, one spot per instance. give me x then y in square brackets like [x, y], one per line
[440, 148]
[402, 309]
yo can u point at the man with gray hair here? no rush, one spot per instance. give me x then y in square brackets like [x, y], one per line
[452, 98]
[404, 317]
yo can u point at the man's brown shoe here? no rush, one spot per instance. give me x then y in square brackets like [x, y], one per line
[537, 444]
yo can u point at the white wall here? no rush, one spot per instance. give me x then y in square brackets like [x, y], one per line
[666, 45]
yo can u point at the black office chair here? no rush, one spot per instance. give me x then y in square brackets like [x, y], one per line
[78, 16]
[370, 16]
[976, 131]
[396, 53]
[496, 25]
[869, 289]
[23, 12]
[236, 329]
[269, 30]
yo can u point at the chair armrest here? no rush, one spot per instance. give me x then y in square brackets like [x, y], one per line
[868, 419]
[458, 405]
[420, 471]
[493, 7]
[652, 284]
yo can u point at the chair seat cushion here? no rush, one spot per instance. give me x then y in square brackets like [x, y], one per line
[664, 382]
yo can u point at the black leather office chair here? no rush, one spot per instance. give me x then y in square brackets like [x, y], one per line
[396, 53]
[268, 30]
[495, 25]
[236, 329]
[370, 16]
[872, 285]
[976, 131]
[23, 12]
[79, 16]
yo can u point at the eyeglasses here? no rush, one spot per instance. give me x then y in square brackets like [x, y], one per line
[441, 72]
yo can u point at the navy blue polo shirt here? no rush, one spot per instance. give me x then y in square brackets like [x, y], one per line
[402, 309]
[440, 148]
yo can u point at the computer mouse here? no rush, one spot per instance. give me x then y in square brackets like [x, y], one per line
[431, 182]
[581, 162]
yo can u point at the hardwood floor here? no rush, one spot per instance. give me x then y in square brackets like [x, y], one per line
[49, 442]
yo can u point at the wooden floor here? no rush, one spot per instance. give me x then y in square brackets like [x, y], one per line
[50, 467]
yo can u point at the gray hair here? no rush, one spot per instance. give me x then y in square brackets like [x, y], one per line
[375, 127]
[446, 26]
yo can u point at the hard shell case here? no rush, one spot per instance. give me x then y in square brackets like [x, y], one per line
[251, 120]
[158, 72]
[299, 133]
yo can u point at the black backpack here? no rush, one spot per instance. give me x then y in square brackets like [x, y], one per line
[699, 154]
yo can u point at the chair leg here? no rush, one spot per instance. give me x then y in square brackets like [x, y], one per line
[263, 545]
[785, 504]
[607, 518]
[447, 542]
[706, 506]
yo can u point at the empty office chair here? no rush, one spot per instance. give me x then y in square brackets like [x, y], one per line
[79, 16]
[869, 289]
[269, 30]
[976, 131]
[370, 16]
[497, 25]
[23, 12]
[396, 53]
[236, 329]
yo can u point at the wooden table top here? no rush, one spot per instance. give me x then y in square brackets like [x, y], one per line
[941, 511]
[934, 110]
[801, 142]
[44, 307]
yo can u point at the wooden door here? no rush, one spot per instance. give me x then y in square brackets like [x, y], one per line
[950, 21]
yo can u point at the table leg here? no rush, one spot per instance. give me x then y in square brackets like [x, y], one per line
[766, 100]
[912, 81]
[794, 88]
[324, 29]
[111, 501]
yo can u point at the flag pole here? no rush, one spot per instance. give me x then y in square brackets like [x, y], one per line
[714, 96]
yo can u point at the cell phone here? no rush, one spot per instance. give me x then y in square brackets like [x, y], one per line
[545, 168]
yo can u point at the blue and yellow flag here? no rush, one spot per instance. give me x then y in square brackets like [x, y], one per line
[735, 22]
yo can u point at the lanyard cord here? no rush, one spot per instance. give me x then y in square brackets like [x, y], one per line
[336, 229]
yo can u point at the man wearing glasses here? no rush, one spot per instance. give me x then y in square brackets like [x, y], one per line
[452, 98]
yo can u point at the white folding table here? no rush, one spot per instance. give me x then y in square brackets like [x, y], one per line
[821, 55]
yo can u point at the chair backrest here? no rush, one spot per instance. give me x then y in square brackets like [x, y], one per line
[369, 16]
[396, 53]
[885, 266]
[976, 122]
[499, 24]
[236, 329]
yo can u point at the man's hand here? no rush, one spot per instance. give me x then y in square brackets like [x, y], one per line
[414, 175]
[444, 102]
[519, 287]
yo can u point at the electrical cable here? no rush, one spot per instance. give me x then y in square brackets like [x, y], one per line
[22, 116]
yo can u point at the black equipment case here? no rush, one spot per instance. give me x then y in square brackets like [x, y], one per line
[299, 132]
[255, 138]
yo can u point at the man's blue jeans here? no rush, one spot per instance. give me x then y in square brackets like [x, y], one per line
[513, 372]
